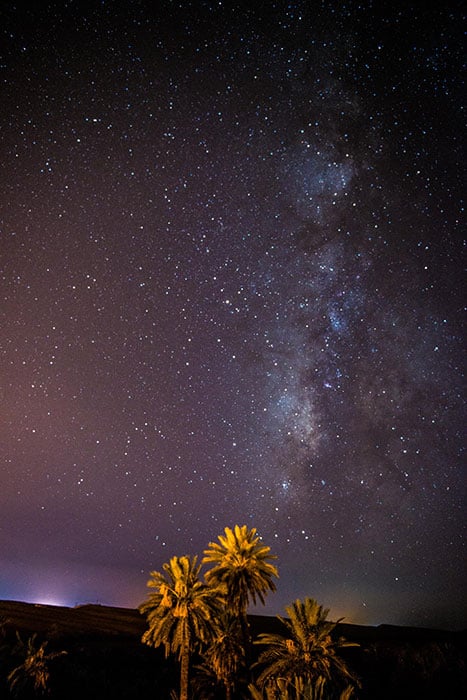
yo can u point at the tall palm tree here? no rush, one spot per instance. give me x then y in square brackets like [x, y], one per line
[305, 664]
[181, 612]
[242, 570]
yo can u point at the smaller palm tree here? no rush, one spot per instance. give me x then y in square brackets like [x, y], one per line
[34, 672]
[181, 612]
[224, 657]
[305, 664]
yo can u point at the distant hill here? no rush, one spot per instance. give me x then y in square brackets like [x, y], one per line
[111, 621]
[91, 619]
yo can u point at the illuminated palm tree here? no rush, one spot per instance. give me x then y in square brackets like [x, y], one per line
[181, 612]
[242, 571]
[305, 664]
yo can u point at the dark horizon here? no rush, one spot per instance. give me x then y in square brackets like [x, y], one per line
[252, 615]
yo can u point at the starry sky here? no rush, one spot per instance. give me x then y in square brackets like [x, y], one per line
[231, 292]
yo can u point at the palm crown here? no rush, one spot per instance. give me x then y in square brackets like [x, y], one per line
[182, 608]
[241, 567]
[308, 654]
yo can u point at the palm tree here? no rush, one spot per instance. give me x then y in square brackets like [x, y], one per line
[242, 571]
[181, 612]
[305, 664]
[34, 672]
[225, 656]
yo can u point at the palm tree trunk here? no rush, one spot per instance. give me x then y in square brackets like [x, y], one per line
[245, 627]
[184, 668]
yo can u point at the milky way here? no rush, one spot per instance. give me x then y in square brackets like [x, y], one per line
[231, 292]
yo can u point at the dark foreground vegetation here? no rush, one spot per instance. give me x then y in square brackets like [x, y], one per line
[106, 659]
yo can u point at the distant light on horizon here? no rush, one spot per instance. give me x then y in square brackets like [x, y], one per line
[50, 600]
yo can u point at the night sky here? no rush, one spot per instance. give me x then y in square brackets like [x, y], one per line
[231, 291]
